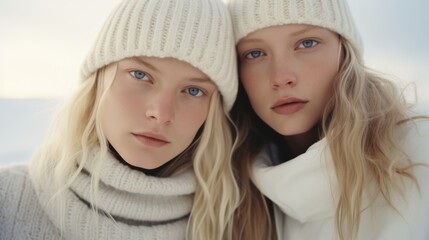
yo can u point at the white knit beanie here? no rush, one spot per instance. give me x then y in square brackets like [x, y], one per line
[195, 31]
[252, 15]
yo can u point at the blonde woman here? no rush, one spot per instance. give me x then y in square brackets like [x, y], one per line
[142, 149]
[334, 147]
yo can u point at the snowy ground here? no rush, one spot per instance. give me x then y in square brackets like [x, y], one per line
[23, 124]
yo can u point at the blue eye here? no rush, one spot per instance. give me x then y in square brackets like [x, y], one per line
[254, 54]
[193, 91]
[139, 75]
[308, 43]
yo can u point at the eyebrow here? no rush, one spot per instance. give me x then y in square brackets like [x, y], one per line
[146, 64]
[306, 29]
[152, 67]
[293, 34]
[249, 40]
[201, 80]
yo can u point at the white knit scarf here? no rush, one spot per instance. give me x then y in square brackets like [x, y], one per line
[140, 206]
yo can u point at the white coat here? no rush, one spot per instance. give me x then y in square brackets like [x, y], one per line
[304, 190]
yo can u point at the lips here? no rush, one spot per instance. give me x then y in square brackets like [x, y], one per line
[151, 139]
[288, 105]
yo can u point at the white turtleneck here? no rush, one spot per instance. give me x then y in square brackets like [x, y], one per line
[140, 206]
[304, 191]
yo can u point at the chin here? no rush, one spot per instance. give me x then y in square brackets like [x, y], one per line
[293, 131]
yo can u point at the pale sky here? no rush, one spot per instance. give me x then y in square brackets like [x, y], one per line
[43, 42]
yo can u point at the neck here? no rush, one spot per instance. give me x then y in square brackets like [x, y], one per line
[150, 172]
[298, 144]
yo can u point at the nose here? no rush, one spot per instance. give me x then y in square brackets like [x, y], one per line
[282, 73]
[161, 108]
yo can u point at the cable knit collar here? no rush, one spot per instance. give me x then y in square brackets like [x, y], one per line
[140, 206]
[302, 187]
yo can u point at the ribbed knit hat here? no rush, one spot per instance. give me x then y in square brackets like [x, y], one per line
[252, 15]
[195, 31]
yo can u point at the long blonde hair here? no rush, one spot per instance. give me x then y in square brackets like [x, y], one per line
[360, 124]
[76, 130]
[217, 194]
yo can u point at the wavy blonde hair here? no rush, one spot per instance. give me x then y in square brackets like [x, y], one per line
[76, 130]
[217, 194]
[360, 124]
[252, 217]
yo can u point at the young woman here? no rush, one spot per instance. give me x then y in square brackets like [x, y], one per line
[142, 150]
[334, 146]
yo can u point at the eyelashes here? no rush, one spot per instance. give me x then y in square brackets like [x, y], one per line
[140, 75]
[192, 91]
[308, 43]
[302, 44]
[253, 54]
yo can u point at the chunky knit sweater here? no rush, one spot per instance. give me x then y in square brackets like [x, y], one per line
[131, 205]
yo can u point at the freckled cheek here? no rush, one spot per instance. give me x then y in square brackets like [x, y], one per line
[201, 115]
[326, 87]
[193, 110]
[191, 121]
[198, 124]
[331, 80]
[124, 104]
[254, 81]
[247, 73]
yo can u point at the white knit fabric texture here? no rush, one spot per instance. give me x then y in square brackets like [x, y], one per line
[141, 207]
[252, 15]
[195, 31]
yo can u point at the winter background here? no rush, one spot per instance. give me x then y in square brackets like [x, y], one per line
[43, 43]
